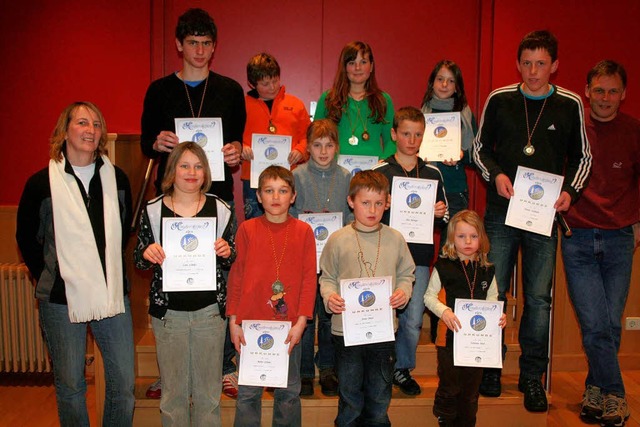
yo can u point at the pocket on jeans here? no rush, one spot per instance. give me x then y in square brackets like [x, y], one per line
[386, 360]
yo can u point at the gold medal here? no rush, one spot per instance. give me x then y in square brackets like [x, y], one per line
[272, 127]
[353, 140]
[529, 150]
[365, 136]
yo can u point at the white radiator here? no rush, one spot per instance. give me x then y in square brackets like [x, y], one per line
[22, 347]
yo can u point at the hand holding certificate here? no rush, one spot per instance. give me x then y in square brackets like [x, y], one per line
[412, 208]
[531, 208]
[268, 150]
[478, 342]
[264, 360]
[190, 263]
[207, 132]
[368, 316]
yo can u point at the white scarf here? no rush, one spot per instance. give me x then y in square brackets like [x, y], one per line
[89, 297]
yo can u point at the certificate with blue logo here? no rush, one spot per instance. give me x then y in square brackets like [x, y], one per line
[531, 206]
[207, 133]
[442, 137]
[190, 263]
[354, 163]
[323, 226]
[368, 316]
[264, 361]
[478, 343]
[412, 208]
[268, 150]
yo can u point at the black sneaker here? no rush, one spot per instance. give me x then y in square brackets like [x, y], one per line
[306, 387]
[490, 385]
[535, 398]
[402, 378]
[328, 382]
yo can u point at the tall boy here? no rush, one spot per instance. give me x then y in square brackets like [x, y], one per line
[407, 131]
[195, 91]
[322, 186]
[352, 252]
[540, 126]
[606, 229]
[269, 111]
[262, 287]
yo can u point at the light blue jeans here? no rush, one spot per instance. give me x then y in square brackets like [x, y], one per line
[67, 343]
[189, 345]
[598, 266]
[410, 321]
[538, 263]
[287, 410]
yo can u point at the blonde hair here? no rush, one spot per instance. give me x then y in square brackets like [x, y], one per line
[172, 163]
[59, 133]
[473, 219]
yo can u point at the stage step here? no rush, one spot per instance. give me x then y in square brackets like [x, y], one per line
[320, 411]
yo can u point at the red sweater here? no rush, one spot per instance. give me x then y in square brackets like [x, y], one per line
[611, 199]
[250, 291]
[289, 116]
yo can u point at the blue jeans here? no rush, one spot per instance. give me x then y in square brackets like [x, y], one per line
[67, 345]
[365, 374]
[598, 265]
[538, 263]
[325, 358]
[287, 410]
[252, 209]
[189, 346]
[410, 321]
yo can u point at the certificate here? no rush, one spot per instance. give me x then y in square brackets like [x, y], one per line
[323, 226]
[207, 132]
[442, 138]
[355, 164]
[412, 204]
[264, 361]
[531, 206]
[479, 342]
[190, 263]
[368, 316]
[268, 150]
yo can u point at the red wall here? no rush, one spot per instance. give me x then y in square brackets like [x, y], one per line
[108, 51]
[55, 53]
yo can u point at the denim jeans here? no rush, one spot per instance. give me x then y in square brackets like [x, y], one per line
[66, 342]
[324, 358]
[287, 410]
[229, 352]
[598, 265]
[252, 209]
[189, 347]
[410, 321]
[538, 263]
[365, 374]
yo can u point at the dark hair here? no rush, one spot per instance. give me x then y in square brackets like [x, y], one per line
[275, 172]
[322, 128]
[59, 133]
[338, 95]
[542, 39]
[172, 164]
[607, 68]
[260, 66]
[459, 96]
[196, 22]
[410, 113]
[368, 180]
